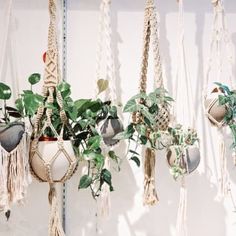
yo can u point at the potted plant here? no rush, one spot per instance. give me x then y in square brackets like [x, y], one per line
[214, 110]
[11, 131]
[228, 99]
[183, 155]
[144, 128]
[88, 142]
[14, 149]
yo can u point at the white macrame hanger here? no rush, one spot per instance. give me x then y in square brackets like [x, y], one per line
[182, 82]
[220, 37]
[104, 49]
[9, 49]
[183, 91]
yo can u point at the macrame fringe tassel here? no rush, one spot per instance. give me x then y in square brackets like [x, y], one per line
[182, 211]
[55, 225]
[150, 194]
[224, 184]
[14, 174]
[105, 198]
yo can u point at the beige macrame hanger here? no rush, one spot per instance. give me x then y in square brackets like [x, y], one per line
[14, 166]
[150, 35]
[51, 80]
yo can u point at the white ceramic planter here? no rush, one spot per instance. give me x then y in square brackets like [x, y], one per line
[48, 153]
[109, 128]
[189, 161]
[214, 111]
[10, 135]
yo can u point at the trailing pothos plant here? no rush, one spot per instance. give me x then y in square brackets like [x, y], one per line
[229, 100]
[181, 140]
[145, 131]
[83, 116]
[89, 139]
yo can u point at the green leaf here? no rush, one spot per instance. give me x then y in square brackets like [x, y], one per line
[143, 140]
[94, 142]
[113, 111]
[102, 85]
[32, 103]
[139, 96]
[5, 91]
[113, 156]
[34, 78]
[134, 152]
[64, 88]
[136, 160]
[131, 106]
[85, 181]
[106, 177]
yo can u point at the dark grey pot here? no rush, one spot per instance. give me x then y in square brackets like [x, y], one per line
[109, 129]
[11, 134]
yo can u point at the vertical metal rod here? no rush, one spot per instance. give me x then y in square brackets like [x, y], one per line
[64, 76]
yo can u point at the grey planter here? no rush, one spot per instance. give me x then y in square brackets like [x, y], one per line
[190, 161]
[11, 134]
[109, 129]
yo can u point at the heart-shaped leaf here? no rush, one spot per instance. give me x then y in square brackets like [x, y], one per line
[102, 85]
[85, 181]
[34, 78]
[5, 91]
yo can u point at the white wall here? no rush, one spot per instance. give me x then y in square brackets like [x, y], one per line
[206, 215]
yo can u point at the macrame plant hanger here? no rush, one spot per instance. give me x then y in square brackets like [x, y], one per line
[14, 166]
[220, 38]
[51, 80]
[183, 91]
[105, 71]
[150, 34]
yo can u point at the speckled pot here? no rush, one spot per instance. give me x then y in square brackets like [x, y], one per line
[214, 111]
[11, 134]
[109, 128]
[191, 160]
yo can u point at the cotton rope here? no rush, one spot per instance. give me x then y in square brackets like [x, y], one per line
[150, 35]
[183, 91]
[51, 80]
[14, 167]
[220, 38]
[105, 69]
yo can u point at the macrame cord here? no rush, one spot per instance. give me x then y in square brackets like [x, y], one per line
[220, 38]
[105, 69]
[150, 35]
[14, 166]
[183, 91]
[51, 80]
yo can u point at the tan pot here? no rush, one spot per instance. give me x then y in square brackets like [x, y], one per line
[214, 111]
[60, 163]
[109, 128]
[189, 161]
[163, 117]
